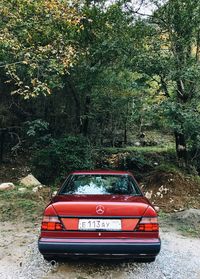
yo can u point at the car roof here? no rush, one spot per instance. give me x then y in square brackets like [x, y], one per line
[108, 172]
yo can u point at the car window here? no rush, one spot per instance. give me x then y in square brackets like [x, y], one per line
[100, 185]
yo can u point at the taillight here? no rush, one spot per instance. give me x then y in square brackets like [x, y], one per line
[148, 224]
[51, 223]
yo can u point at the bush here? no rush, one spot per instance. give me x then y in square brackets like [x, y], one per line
[53, 162]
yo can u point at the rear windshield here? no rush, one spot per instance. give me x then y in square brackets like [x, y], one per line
[100, 185]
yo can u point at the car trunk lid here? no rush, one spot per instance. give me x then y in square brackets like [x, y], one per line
[100, 205]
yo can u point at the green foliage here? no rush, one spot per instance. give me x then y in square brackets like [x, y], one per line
[136, 162]
[37, 132]
[139, 160]
[101, 70]
[35, 46]
[35, 127]
[169, 55]
[168, 167]
[60, 157]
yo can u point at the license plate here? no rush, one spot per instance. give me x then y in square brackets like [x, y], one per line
[99, 224]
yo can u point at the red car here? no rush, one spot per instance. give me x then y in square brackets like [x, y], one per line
[102, 214]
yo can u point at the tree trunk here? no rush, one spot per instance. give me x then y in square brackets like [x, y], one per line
[2, 141]
[125, 124]
[181, 148]
[125, 134]
[86, 116]
[77, 105]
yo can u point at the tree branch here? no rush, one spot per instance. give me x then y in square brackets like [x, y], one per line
[198, 46]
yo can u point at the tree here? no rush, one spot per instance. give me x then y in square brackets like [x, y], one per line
[102, 45]
[35, 44]
[170, 55]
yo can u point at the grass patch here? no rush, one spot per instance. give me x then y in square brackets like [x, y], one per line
[196, 179]
[169, 148]
[168, 167]
[187, 230]
[27, 205]
[162, 215]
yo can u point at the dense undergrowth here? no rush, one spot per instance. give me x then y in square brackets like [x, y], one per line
[153, 167]
[52, 163]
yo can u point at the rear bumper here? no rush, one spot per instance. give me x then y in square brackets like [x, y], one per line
[134, 249]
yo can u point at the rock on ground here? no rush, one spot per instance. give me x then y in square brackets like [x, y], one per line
[7, 186]
[190, 217]
[29, 181]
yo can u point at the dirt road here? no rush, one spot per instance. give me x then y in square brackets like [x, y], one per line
[20, 259]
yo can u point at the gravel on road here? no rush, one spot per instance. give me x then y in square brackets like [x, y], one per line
[20, 259]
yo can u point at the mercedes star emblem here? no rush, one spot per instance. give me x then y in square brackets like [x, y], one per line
[100, 209]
